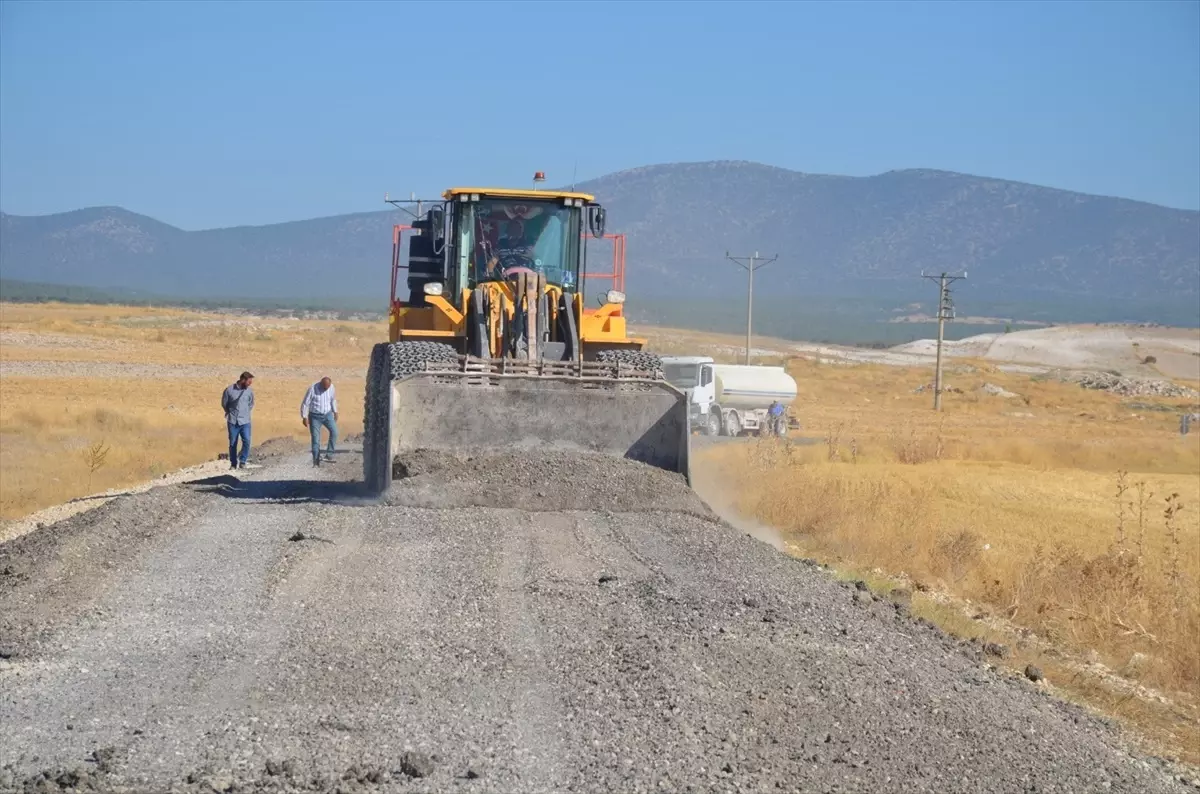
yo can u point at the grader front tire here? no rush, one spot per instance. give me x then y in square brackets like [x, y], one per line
[390, 362]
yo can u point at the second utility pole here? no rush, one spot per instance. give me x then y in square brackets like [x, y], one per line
[750, 264]
[945, 312]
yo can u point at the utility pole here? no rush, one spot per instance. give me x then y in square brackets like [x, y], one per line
[750, 264]
[945, 312]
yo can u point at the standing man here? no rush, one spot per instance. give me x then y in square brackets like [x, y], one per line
[238, 402]
[776, 411]
[319, 408]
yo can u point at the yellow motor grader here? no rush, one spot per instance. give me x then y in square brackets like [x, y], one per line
[492, 343]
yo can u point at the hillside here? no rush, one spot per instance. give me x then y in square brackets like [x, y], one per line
[849, 235]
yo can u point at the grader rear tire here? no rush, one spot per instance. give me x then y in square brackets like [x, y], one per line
[641, 359]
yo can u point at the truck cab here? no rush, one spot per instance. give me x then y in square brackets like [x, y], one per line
[693, 375]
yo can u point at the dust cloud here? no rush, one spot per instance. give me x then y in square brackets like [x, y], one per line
[713, 488]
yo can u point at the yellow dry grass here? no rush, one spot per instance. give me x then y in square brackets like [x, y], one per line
[1010, 504]
[163, 420]
[67, 332]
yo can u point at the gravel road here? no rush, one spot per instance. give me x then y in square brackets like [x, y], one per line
[594, 629]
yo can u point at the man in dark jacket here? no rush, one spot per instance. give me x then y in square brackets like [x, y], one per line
[238, 401]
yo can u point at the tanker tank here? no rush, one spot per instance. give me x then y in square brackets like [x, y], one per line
[749, 387]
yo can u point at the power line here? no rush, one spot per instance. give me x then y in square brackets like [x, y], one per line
[750, 264]
[945, 312]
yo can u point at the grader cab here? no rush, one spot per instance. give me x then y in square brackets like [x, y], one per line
[492, 343]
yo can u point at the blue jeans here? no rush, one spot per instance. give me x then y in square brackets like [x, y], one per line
[315, 423]
[236, 432]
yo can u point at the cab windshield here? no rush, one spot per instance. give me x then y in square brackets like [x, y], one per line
[682, 376]
[512, 234]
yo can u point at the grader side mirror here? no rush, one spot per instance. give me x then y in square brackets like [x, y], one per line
[596, 217]
[437, 221]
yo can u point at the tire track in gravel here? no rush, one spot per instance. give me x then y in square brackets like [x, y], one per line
[537, 714]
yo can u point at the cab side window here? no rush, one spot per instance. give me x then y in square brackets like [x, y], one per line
[705, 376]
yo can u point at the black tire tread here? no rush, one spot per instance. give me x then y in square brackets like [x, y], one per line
[389, 362]
[642, 359]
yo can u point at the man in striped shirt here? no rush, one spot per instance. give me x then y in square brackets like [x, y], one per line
[319, 409]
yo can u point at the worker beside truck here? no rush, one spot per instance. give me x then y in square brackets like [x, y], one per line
[732, 399]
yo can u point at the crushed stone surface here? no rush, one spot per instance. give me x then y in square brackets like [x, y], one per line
[276, 630]
[549, 480]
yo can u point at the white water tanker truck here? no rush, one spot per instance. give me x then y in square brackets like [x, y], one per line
[730, 399]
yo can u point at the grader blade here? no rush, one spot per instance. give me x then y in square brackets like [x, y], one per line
[480, 404]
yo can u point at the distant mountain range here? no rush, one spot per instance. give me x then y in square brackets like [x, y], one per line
[867, 236]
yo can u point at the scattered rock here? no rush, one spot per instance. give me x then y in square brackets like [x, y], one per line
[902, 595]
[102, 757]
[414, 764]
[996, 649]
[861, 585]
[998, 391]
[946, 389]
[220, 782]
[863, 597]
[751, 603]
[298, 536]
[1134, 387]
[1033, 673]
[607, 577]
[1137, 665]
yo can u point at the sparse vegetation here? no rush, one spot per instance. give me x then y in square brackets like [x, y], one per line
[94, 457]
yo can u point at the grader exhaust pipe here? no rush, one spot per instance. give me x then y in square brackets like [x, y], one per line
[502, 404]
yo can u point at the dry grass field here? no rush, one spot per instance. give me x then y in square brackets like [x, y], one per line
[1060, 521]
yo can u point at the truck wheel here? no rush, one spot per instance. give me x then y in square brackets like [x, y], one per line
[733, 425]
[712, 426]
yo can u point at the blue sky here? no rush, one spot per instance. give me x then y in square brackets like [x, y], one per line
[215, 114]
